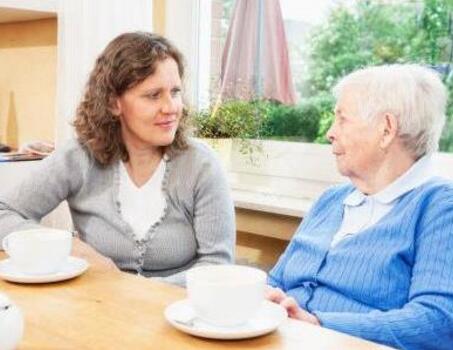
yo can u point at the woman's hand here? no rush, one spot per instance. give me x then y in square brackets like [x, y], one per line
[277, 296]
[97, 260]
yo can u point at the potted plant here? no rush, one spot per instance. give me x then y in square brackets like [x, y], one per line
[232, 123]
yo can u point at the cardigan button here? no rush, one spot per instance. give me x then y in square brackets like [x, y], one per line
[310, 285]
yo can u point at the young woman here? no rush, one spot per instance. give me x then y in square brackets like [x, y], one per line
[140, 192]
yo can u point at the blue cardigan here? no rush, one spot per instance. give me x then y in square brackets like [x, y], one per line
[391, 283]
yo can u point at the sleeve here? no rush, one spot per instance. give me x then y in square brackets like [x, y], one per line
[213, 218]
[275, 278]
[22, 206]
[426, 321]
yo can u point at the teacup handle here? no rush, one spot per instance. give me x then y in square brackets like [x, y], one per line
[5, 244]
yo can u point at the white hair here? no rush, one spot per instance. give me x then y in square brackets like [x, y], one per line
[414, 94]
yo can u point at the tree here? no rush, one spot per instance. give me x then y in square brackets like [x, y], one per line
[374, 32]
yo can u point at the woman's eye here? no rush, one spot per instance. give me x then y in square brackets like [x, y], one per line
[176, 91]
[152, 96]
[342, 120]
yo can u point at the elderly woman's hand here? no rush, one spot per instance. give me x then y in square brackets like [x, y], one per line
[277, 296]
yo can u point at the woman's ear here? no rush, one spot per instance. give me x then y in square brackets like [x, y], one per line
[389, 130]
[115, 106]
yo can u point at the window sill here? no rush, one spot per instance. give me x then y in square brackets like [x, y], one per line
[271, 203]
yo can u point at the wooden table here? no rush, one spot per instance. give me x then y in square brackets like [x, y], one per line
[104, 309]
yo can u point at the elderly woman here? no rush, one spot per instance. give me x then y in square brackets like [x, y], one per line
[374, 258]
[140, 192]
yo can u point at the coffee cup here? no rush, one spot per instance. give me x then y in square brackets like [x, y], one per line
[226, 295]
[38, 251]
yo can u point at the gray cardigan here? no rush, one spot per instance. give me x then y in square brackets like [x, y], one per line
[197, 226]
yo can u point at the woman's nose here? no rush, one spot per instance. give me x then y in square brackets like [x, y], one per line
[330, 135]
[169, 105]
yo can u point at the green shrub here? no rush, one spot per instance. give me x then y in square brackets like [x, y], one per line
[264, 119]
[299, 123]
[232, 119]
[324, 125]
[446, 141]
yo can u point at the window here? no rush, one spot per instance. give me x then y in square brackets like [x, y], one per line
[329, 39]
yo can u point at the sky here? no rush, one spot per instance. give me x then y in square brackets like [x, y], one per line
[308, 11]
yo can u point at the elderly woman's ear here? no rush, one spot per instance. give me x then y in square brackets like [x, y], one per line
[388, 128]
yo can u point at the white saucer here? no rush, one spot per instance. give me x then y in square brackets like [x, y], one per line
[72, 268]
[182, 316]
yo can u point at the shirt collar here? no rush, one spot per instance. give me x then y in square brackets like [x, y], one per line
[420, 172]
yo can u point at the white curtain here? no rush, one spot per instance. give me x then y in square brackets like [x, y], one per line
[84, 28]
[188, 26]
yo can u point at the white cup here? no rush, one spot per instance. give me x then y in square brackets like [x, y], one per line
[38, 251]
[226, 295]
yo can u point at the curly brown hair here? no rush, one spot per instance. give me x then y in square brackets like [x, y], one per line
[126, 61]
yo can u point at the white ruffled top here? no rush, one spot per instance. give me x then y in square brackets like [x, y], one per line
[143, 206]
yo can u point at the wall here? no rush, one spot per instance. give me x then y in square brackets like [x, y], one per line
[28, 56]
[159, 16]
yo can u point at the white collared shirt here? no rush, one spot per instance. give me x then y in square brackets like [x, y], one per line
[142, 206]
[362, 211]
